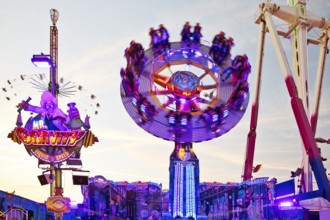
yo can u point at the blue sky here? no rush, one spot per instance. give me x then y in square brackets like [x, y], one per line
[92, 39]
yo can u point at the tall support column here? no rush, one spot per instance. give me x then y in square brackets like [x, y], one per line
[251, 138]
[319, 78]
[53, 83]
[52, 184]
[58, 181]
[54, 59]
[298, 108]
[54, 88]
[300, 66]
[184, 182]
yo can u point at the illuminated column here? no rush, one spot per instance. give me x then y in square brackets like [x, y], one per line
[178, 190]
[190, 190]
[184, 182]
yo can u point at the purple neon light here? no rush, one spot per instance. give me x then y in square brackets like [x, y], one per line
[286, 204]
[41, 61]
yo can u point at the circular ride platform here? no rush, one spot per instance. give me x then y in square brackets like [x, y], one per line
[183, 95]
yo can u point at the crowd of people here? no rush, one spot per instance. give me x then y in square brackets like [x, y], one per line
[188, 37]
[159, 39]
[129, 81]
[238, 96]
[144, 108]
[213, 117]
[240, 69]
[221, 47]
[134, 55]
[178, 121]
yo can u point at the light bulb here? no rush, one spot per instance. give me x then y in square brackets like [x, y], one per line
[54, 14]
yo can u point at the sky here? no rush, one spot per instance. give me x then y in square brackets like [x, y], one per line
[92, 38]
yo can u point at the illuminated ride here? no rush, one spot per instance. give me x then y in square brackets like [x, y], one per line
[183, 95]
[52, 136]
[185, 92]
[300, 22]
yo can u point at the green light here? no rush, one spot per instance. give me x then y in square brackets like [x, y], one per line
[302, 9]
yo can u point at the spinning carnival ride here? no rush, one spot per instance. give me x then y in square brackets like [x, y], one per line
[185, 92]
[182, 95]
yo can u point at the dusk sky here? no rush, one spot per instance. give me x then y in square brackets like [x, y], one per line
[92, 38]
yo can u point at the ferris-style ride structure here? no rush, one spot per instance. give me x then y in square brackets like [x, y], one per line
[185, 92]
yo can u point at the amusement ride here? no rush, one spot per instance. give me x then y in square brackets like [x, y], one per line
[189, 92]
[185, 92]
[55, 138]
[299, 22]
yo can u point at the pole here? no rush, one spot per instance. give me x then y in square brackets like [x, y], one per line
[54, 64]
[56, 189]
[319, 79]
[250, 145]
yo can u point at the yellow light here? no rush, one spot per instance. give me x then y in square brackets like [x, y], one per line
[181, 153]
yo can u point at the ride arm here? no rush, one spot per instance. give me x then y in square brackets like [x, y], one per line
[302, 120]
[251, 138]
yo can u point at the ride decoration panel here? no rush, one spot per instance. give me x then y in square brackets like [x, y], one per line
[52, 136]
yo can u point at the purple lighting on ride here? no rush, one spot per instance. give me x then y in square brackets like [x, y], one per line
[185, 91]
[286, 204]
[41, 61]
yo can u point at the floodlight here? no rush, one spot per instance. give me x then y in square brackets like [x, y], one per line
[286, 204]
[80, 180]
[80, 177]
[74, 162]
[45, 179]
[41, 61]
[257, 168]
[296, 173]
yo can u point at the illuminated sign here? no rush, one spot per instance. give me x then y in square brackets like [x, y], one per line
[260, 180]
[58, 204]
[53, 146]
[100, 181]
[49, 138]
[52, 136]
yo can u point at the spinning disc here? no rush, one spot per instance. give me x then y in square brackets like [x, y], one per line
[183, 95]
